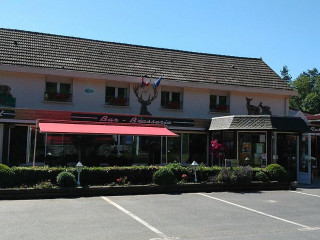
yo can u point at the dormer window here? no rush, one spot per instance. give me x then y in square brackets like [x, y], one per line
[58, 90]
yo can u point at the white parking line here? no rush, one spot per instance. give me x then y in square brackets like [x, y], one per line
[153, 229]
[308, 194]
[304, 227]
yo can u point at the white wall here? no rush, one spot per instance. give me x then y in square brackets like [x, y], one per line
[238, 103]
[28, 89]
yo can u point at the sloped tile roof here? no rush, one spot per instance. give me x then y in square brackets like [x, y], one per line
[258, 122]
[33, 49]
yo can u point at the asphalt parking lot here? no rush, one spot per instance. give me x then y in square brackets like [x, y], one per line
[221, 215]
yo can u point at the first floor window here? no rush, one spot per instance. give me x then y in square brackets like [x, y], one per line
[219, 103]
[59, 92]
[171, 100]
[117, 96]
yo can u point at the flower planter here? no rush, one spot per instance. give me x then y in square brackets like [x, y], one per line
[138, 190]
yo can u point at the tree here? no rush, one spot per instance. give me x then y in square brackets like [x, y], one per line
[285, 74]
[308, 87]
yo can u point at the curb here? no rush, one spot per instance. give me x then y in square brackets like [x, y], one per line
[15, 194]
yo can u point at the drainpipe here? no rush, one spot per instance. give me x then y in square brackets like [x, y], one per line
[166, 150]
[35, 145]
[286, 107]
[161, 150]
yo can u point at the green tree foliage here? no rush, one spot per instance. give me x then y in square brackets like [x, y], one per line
[308, 87]
[285, 74]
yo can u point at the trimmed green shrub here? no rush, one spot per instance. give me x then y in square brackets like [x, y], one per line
[226, 175]
[164, 176]
[33, 175]
[30, 176]
[243, 174]
[66, 179]
[277, 173]
[261, 176]
[207, 173]
[6, 176]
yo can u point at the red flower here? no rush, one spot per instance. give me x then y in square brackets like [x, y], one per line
[184, 176]
[217, 148]
[119, 180]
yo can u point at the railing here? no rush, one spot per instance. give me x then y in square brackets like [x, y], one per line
[7, 101]
[117, 101]
[172, 105]
[58, 97]
[220, 108]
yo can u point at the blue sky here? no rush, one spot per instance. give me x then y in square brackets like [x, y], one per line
[282, 32]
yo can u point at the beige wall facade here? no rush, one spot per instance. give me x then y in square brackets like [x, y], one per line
[29, 88]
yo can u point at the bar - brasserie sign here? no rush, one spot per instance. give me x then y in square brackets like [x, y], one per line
[131, 119]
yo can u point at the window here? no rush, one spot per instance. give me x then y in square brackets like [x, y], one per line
[58, 92]
[171, 100]
[117, 96]
[252, 149]
[219, 103]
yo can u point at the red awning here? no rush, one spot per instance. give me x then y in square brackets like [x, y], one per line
[78, 128]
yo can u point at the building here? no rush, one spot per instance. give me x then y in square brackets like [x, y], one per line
[57, 89]
[313, 166]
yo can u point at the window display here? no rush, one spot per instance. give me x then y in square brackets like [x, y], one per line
[252, 149]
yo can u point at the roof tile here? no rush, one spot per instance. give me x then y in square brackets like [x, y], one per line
[33, 49]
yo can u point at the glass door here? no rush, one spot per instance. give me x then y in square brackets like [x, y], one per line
[305, 160]
[288, 153]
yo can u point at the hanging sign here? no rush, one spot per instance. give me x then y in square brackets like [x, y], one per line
[7, 113]
[89, 91]
[314, 129]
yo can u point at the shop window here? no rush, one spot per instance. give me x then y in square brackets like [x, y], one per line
[287, 153]
[185, 149]
[116, 96]
[171, 100]
[173, 148]
[226, 139]
[147, 150]
[229, 144]
[219, 103]
[58, 92]
[252, 149]
[197, 147]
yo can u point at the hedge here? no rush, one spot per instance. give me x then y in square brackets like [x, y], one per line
[30, 176]
[6, 176]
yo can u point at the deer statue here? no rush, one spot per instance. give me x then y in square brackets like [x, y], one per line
[252, 110]
[265, 110]
[144, 103]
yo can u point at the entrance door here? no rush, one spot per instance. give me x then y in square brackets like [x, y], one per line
[304, 174]
[18, 145]
[288, 153]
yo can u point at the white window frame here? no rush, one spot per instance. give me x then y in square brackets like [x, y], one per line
[59, 81]
[218, 99]
[116, 94]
